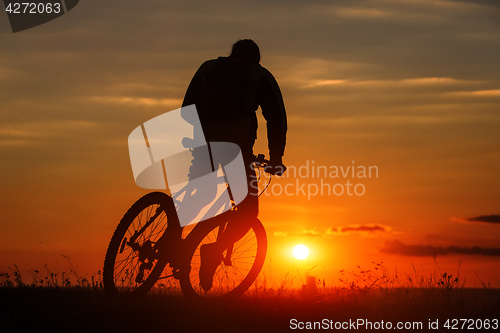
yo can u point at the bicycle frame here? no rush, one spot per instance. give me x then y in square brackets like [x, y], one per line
[171, 246]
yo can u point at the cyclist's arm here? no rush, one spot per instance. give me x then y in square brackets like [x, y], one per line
[273, 110]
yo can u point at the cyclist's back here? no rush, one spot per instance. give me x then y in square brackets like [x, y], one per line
[227, 91]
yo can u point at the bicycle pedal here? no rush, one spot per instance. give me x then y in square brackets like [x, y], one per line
[177, 272]
[227, 261]
[140, 277]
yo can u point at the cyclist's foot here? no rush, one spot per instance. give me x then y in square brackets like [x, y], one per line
[211, 257]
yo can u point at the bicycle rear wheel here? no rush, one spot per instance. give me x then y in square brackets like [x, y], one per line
[133, 261]
[237, 270]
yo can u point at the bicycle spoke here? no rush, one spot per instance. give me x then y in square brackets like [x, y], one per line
[144, 224]
[231, 277]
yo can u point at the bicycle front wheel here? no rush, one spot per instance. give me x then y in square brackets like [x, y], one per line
[237, 270]
[133, 262]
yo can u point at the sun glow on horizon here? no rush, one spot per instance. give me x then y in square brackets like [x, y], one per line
[300, 252]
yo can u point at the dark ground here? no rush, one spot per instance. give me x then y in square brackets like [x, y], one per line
[35, 309]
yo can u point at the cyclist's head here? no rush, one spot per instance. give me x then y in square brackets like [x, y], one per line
[247, 50]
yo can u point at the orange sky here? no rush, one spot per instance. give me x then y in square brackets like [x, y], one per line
[411, 87]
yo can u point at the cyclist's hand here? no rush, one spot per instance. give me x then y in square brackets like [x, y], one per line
[276, 168]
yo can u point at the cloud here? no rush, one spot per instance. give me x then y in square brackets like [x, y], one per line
[477, 93]
[356, 84]
[14, 138]
[418, 250]
[485, 219]
[399, 12]
[319, 83]
[363, 230]
[367, 228]
[479, 2]
[362, 13]
[38, 133]
[172, 102]
[434, 80]
[303, 233]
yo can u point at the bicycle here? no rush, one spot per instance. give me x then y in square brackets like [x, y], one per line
[149, 236]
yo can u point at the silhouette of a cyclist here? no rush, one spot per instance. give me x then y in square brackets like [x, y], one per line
[227, 92]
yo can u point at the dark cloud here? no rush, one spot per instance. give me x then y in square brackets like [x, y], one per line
[418, 250]
[365, 228]
[485, 218]
[362, 230]
[480, 2]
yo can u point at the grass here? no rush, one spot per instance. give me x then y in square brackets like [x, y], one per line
[48, 279]
[71, 303]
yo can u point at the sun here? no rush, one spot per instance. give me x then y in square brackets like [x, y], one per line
[300, 251]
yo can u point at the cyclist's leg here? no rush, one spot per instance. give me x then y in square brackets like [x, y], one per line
[247, 210]
[236, 227]
[233, 275]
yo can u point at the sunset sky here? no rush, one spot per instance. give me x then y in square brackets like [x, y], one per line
[409, 86]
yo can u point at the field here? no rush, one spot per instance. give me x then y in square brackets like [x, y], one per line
[53, 304]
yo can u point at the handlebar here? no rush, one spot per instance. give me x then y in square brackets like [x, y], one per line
[260, 160]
